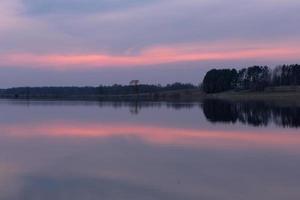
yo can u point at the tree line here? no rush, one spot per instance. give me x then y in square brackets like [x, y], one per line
[255, 78]
[21, 92]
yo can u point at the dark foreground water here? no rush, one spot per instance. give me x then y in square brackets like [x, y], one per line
[213, 150]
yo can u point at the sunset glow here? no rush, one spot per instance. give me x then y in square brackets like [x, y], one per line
[154, 56]
[149, 99]
[56, 41]
[158, 135]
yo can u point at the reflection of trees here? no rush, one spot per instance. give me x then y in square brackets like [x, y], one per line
[287, 116]
[219, 111]
[178, 106]
[256, 113]
[136, 106]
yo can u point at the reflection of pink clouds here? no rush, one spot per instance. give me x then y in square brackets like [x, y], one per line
[157, 135]
[155, 55]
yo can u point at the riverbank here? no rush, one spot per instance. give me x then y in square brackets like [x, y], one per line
[277, 95]
[269, 94]
[173, 95]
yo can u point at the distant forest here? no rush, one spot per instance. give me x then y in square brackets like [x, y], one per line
[101, 90]
[255, 78]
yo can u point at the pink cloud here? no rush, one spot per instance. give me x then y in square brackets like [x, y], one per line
[154, 56]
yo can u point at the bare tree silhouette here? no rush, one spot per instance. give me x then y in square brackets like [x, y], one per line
[135, 83]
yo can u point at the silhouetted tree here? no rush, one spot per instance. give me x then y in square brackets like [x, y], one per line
[286, 75]
[253, 78]
[219, 80]
[135, 84]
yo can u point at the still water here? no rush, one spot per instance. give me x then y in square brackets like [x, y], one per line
[213, 150]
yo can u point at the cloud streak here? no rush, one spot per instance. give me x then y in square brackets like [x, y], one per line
[92, 34]
[153, 56]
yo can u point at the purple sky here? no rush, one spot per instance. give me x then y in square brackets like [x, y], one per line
[92, 42]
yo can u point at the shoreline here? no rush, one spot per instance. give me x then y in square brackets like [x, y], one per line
[176, 96]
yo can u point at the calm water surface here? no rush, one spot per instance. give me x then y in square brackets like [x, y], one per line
[212, 150]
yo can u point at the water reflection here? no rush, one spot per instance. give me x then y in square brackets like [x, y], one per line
[78, 150]
[135, 107]
[156, 134]
[255, 113]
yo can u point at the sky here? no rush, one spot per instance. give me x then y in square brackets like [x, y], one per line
[92, 42]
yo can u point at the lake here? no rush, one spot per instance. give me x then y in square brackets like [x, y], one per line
[212, 150]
